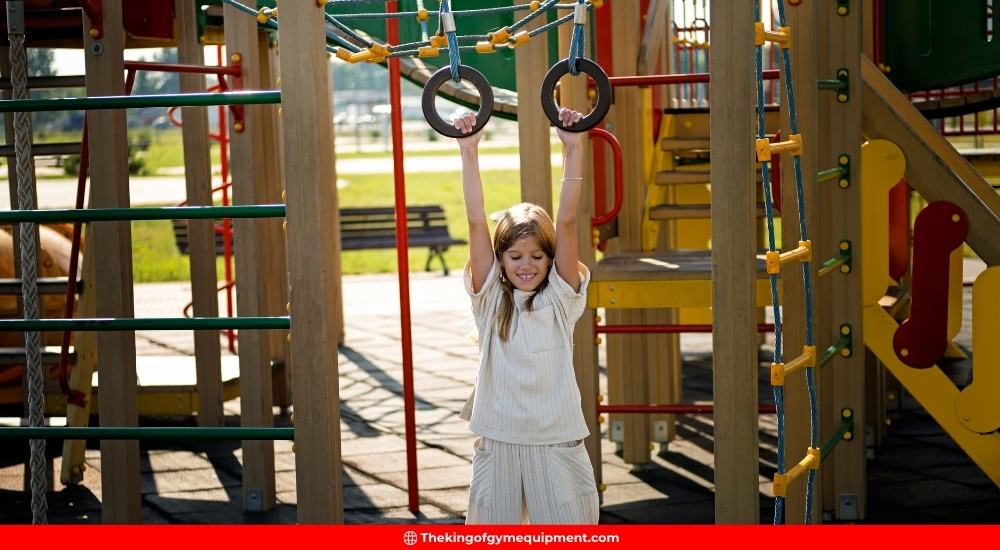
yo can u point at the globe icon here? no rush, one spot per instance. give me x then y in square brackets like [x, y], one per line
[410, 538]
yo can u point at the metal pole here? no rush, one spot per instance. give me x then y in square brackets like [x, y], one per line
[150, 434]
[136, 102]
[403, 261]
[152, 213]
[128, 324]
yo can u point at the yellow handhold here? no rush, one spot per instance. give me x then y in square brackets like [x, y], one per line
[783, 37]
[428, 51]
[422, 15]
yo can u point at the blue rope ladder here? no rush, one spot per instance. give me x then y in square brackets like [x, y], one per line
[774, 260]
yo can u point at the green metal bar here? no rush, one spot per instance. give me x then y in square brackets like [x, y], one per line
[831, 84]
[833, 263]
[831, 174]
[128, 214]
[833, 350]
[174, 323]
[138, 101]
[151, 434]
[843, 432]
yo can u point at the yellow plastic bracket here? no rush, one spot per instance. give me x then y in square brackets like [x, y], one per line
[499, 37]
[422, 15]
[783, 37]
[810, 462]
[765, 148]
[343, 54]
[439, 41]
[777, 374]
[428, 51]
[374, 54]
[265, 14]
[772, 259]
[485, 47]
[780, 370]
[520, 38]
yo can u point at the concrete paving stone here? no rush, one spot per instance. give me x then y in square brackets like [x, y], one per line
[215, 504]
[179, 460]
[372, 445]
[452, 477]
[968, 474]
[660, 513]
[396, 461]
[877, 475]
[402, 515]
[628, 493]
[966, 512]
[931, 492]
[455, 501]
[284, 462]
[922, 457]
[187, 480]
[380, 495]
[457, 446]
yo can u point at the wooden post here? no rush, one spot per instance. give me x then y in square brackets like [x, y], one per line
[802, 20]
[112, 242]
[249, 168]
[311, 200]
[734, 263]
[532, 62]
[201, 233]
[840, 294]
[276, 276]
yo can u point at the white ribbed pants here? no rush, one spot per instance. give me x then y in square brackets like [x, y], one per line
[539, 484]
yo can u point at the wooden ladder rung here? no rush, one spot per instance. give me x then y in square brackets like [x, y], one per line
[683, 177]
[685, 144]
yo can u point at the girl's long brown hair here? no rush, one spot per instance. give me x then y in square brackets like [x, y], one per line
[519, 221]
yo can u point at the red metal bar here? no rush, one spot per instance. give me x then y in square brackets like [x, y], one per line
[671, 409]
[403, 261]
[233, 70]
[664, 329]
[672, 79]
[616, 150]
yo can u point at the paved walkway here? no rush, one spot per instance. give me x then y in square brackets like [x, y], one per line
[917, 476]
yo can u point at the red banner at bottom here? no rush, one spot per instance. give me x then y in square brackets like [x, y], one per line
[366, 537]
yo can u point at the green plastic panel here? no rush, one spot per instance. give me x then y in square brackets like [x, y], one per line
[935, 44]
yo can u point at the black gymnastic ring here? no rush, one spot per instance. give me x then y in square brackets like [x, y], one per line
[603, 94]
[435, 82]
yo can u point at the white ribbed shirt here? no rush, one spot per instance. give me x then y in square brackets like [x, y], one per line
[526, 390]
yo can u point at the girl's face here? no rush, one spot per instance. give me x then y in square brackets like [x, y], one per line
[525, 264]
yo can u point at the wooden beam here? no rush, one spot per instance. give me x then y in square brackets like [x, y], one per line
[734, 269]
[250, 156]
[533, 129]
[802, 20]
[652, 37]
[840, 294]
[112, 242]
[933, 167]
[311, 201]
[82, 376]
[276, 265]
[201, 233]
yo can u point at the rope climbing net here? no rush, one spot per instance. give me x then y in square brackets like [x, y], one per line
[774, 260]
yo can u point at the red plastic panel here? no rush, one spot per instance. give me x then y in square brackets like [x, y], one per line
[922, 339]
[150, 19]
[899, 229]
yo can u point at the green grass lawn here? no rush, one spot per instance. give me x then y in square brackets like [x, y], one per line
[155, 257]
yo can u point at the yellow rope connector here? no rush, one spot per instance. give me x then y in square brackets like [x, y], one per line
[343, 54]
[439, 41]
[783, 37]
[485, 47]
[428, 51]
[534, 5]
[773, 260]
[765, 148]
[265, 14]
[374, 54]
[780, 370]
[520, 38]
[422, 15]
[810, 462]
[499, 37]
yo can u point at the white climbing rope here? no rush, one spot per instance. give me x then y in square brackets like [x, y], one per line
[29, 261]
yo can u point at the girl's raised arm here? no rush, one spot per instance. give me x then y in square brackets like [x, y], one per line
[567, 250]
[480, 247]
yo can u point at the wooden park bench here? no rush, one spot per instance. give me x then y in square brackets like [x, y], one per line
[372, 228]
